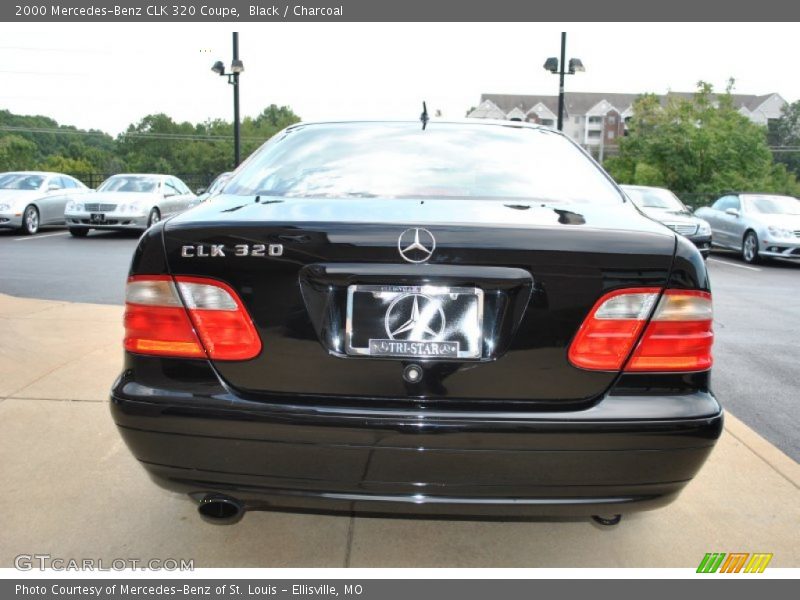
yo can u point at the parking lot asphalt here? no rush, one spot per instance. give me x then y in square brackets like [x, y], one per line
[74, 491]
[55, 266]
[757, 316]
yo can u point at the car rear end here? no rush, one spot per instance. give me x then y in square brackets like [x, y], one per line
[437, 355]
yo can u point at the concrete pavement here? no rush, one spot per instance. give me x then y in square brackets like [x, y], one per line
[79, 493]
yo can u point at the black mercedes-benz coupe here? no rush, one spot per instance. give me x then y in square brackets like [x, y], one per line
[467, 318]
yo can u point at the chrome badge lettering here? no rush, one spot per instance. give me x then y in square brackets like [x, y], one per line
[219, 250]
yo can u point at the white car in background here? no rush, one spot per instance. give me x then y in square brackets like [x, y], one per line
[33, 199]
[129, 201]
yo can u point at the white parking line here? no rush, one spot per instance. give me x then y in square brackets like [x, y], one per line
[38, 237]
[731, 264]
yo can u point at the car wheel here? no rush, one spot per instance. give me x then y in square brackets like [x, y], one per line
[79, 231]
[153, 218]
[750, 248]
[30, 220]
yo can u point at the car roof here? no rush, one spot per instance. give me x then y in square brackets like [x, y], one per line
[773, 194]
[139, 175]
[42, 173]
[431, 123]
[642, 187]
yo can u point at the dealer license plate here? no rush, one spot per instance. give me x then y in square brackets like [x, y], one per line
[424, 322]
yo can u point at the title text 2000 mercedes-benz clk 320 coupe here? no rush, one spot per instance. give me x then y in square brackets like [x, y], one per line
[464, 318]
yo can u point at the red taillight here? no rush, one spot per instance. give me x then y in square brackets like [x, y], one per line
[678, 337]
[191, 317]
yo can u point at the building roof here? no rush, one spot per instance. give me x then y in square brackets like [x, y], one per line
[580, 103]
[489, 110]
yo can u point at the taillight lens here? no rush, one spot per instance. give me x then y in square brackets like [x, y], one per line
[190, 317]
[220, 319]
[678, 338]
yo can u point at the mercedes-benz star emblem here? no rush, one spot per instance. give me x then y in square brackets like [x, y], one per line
[414, 317]
[416, 245]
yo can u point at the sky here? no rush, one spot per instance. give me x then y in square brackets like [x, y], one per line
[106, 76]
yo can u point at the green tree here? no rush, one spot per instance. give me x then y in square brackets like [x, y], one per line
[77, 167]
[701, 145]
[158, 144]
[270, 121]
[16, 153]
[51, 139]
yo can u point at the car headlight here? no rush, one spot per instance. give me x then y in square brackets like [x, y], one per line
[129, 209]
[780, 232]
[703, 228]
[4, 207]
[73, 206]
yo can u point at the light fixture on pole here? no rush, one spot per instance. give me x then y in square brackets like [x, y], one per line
[552, 64]
[237, 67]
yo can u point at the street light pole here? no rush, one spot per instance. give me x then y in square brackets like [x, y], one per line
[237, 142]
[561, 81]
[561, 68]
[237, 67]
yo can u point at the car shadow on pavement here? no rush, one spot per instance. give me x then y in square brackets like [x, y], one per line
[113, 235]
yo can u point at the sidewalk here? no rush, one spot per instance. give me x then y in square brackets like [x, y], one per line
[80, 494]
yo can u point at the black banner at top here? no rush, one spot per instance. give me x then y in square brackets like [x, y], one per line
[240, 11]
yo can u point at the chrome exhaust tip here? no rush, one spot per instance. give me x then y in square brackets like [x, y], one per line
[220, 510]
[607, 520]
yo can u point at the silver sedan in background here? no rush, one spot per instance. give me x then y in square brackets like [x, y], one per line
[33, 199]
[130, 201]
[757, 225]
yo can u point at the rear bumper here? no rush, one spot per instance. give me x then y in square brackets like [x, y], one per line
[623, 454]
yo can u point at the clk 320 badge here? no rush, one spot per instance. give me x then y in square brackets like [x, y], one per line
[221, 250]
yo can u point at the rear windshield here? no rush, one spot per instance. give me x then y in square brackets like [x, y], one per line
[400, 160]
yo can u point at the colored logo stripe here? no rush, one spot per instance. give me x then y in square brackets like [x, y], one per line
[711, 562]
[734, 563]
[758, 563]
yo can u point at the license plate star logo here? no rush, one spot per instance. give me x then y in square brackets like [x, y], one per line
[416, 317]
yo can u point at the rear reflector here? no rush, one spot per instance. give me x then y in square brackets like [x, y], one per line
[678, 338]
[198, 318]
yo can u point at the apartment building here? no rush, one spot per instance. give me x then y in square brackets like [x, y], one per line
[597, 119]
